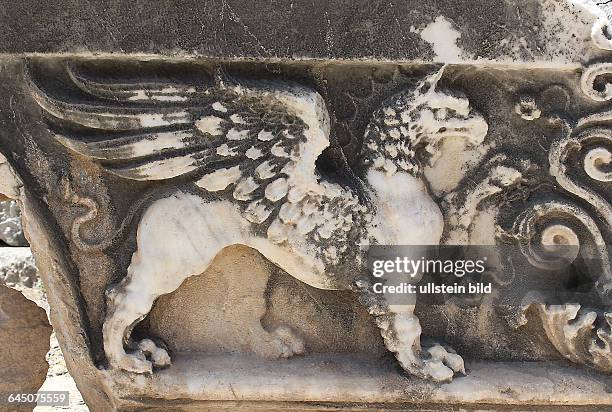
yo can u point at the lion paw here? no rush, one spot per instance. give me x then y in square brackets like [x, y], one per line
[442, 364]
[286, 343]
[146, 357]
[135, 363]
[159, 357]
[436, 363]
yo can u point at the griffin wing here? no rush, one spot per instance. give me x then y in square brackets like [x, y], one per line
[249, 138]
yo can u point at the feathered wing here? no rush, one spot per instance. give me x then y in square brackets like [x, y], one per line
[242, 141]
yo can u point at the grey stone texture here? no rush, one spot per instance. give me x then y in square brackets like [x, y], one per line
[511, 30]
[11, 231]
[24, 339]
[17, 268]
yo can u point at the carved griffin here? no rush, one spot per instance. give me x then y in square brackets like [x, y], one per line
[248, 152]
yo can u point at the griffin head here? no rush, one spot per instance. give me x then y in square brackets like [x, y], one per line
[404, 134]
[409, 128]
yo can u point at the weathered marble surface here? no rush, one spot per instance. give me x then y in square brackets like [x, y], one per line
[322, 382]
[196, 197]
[17, 267]
[545, 33]
[11, 232]
[24, 339]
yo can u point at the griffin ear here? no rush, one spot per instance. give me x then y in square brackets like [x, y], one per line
[429, 83]
[219, 76]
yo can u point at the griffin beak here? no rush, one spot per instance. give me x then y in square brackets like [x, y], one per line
[473, 129]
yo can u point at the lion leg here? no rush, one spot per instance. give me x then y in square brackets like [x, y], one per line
[173, 244]
[401, 332]
[402, 336]
[127, 304]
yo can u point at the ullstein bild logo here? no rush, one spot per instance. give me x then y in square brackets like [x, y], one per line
[432, 288]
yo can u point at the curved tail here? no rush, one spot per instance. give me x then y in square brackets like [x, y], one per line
[92, 212]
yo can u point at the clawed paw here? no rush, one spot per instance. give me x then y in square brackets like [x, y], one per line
[159, 357]
[435, 363]
[135, 363]
[287, 343]
[146, 357]
[442, 364]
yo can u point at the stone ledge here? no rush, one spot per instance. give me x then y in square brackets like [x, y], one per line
[337, 380]
[549, 33]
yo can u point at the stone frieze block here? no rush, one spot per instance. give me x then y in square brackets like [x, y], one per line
[202, 211]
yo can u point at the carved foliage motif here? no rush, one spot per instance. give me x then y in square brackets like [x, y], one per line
[578, 219]
[581, 335]
[578, 333]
